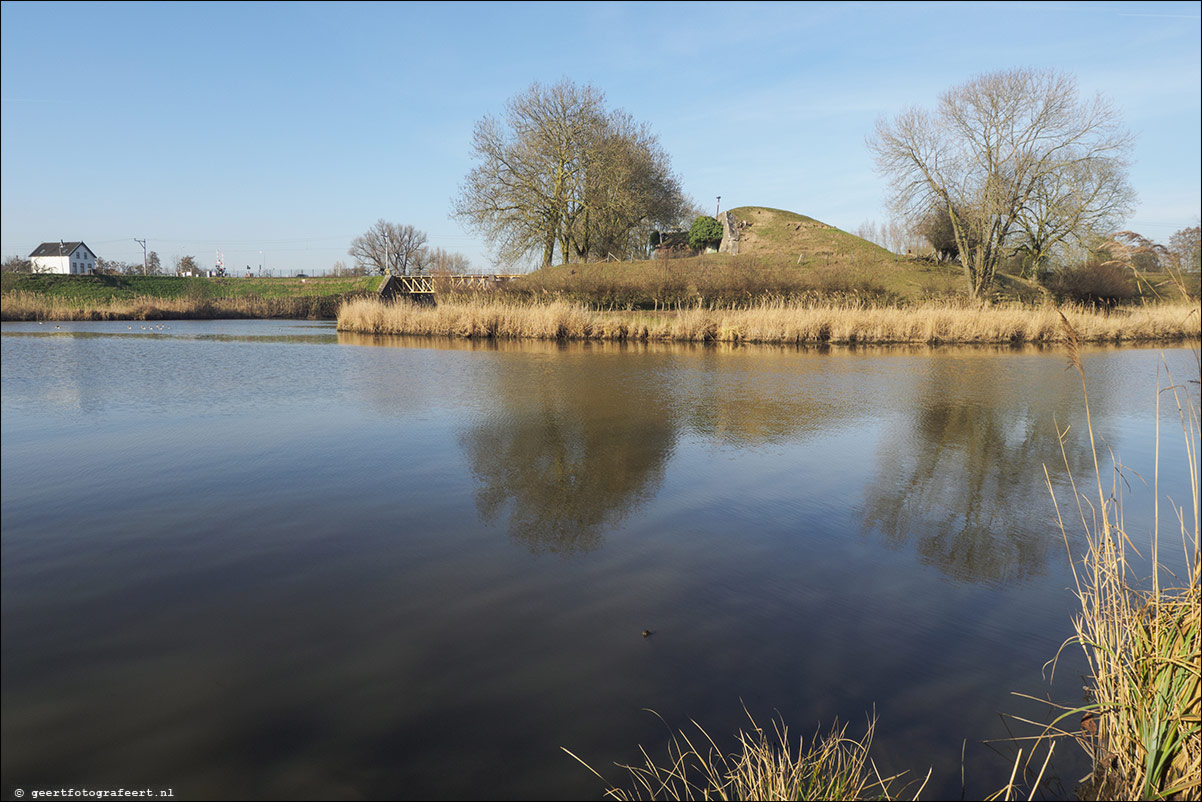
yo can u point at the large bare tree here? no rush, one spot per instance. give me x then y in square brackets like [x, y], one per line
[1070, 206]
[1008, 155]
[389, 248]
[561, 174]
[629, 190]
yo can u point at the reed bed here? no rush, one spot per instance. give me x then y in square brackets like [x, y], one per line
[1141, 632]
[762, 766]
[37, 306]
[773, 322]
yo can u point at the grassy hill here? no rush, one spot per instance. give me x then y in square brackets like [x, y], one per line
[782, 256]
[764, 231]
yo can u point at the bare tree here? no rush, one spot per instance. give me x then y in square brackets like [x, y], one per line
[442, 261]
[561, 174]
[870, 231]
[340, 269]
[1000, 152]
[1068, 206]
[388, 248]
[1185, 249]
[629, 191]
[896, 236]
[530, 168]
[17, 264]
[115, 267]
[902, 238]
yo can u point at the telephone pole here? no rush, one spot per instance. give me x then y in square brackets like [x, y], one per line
[142, 242]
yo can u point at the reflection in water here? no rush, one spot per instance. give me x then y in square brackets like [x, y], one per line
[962, 478]
[770, 395]
[563, 459]
[248, 570]
[960, 475]
[327, 338]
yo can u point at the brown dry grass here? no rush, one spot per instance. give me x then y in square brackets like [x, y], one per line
[818, 323]
[1142, 635]
[833, 767]
[1140, 624]
[37, 306]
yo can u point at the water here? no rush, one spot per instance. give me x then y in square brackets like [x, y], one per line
[265, 560]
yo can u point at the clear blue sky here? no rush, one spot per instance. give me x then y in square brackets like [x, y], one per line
[290, 128]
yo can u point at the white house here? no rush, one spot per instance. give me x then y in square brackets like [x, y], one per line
[73, 258]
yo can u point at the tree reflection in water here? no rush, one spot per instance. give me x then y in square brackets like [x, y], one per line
[563, 459]
[962, 480]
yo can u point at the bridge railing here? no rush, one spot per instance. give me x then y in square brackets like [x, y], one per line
[424, 285]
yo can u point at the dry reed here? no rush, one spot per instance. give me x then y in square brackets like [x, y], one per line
[770, 322]
[834, 767]
[1141, 634]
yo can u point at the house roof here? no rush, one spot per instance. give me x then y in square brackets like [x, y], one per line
[52, 249]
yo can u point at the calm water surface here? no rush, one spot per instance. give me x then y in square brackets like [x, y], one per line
[265, 560]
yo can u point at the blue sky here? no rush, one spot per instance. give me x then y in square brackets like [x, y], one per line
[286, 129]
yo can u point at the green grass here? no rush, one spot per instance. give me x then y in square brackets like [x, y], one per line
[58, 297]
[102, 289]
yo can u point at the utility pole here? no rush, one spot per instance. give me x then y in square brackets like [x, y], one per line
[142, 242]
[719, 206]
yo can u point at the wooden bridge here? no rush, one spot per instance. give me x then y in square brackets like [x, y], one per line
[425, 285]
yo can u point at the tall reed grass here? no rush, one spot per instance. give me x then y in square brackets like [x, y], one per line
[1140, 624]
[773, 322]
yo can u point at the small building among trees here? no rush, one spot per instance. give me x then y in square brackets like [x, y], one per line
[71, 258]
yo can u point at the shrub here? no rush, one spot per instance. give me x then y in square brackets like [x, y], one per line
[1104, 284]
[706, 231]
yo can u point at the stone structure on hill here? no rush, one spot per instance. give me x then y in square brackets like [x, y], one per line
[730, 234]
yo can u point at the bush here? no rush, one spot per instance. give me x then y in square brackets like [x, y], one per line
[1104, 284]
[706, 231]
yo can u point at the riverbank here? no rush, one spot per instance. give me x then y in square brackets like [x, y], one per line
[56, 297]
[934, 323]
